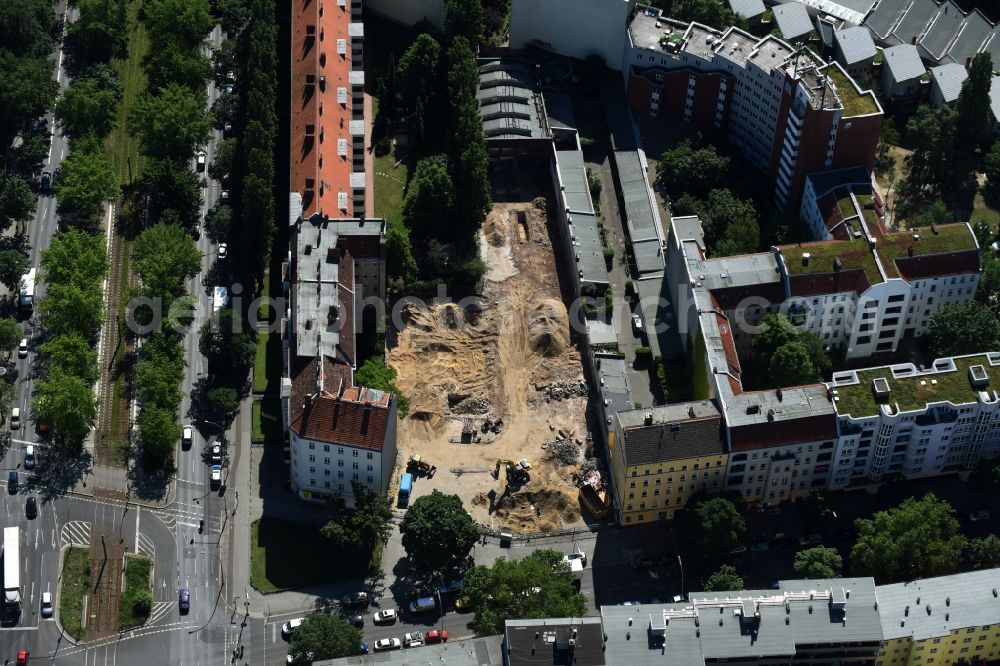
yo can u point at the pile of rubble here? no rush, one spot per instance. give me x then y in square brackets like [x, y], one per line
[476, 404]
[564, 451]
[565, 390]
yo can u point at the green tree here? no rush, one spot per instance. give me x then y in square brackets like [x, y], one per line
[399, 252]
[10, 335]
[90, 104]
[160, 370]
[539, 585]
[791, 366]
[229, 349]
[917, 539]
[26, 27]
[991, 168]
[87, 181]
[973, 116]
[75, 257]
[712, 525]
[158, 433]
[13, 265]
[464, 18]
[963, 328]
[323, 636]
[988, 291]
[222, 161]
[985, 477]
[416, 74]
[430, 199]
[27, 91]
[708, 12]
[377, 374]
[888, 136]
[99, 34]
[67, 403]
[68, 307]
[364, 527]
[723, 580]
[27, 159]
[223, 400]
[469, 161]
[165, 257]
[172, 187]
[73, 354]
[437, 531]
[722, 210]
[219, 220]
[17, 201]
[819, 562]
[233, 15]
[175, 63]
[171, 122]
[984, 553]
[186, 22]
[930, 163]
[690, 170]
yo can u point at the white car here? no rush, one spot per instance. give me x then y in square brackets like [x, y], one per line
[636, 324]
[386, 616]
[414, 639]
[29, 457]
[216, 453]
[383, 644]
[47, 604]
[187, 435]
[288, 628]
[200, 164]
[216, 474]
[22, 348]
[289, 660]
[223, 250]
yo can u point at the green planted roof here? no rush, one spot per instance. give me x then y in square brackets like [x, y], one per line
[853, 254]
[859, 400]
[855, 103]
[949, 238]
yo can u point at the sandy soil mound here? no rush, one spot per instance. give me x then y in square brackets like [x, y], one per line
[544, 510]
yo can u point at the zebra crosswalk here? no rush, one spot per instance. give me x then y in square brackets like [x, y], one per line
[144, 545]
[160, 610]
[75, 533]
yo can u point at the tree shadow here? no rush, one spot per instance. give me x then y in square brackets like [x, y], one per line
[58, 471]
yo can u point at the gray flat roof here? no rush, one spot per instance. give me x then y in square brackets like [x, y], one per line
[509, 106]
[949, 79]
[486, 651]
[316, 290]
[971, 38]
[615, 391]
[795, 403]
[575, 194]
[904, 62]
[800, 612]
[640, 217]
[939, 36]
[747, 8]
[531, 642]
[885, 16]
[573, 175]
[934, 607]
[916, 19]
[856, 44]
[793, 20]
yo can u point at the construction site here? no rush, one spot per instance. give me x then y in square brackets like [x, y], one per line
[496, 388]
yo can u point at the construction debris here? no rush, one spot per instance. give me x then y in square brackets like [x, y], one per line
[564, 390]
[563, 451]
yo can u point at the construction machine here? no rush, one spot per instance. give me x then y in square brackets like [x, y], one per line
[517, 472]
[421, 467]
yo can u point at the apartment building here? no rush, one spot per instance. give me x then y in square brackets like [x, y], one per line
[662, 455]
[338, 433]
[790, 113]
[941, 621]
[914, 422]
[828, 621]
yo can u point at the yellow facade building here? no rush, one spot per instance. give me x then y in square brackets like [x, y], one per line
[941, 621]
[661, 456]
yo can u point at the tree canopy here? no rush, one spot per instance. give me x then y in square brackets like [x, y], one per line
[687, 169]
[464, 18]
[972, 117]
[17, 201]
[917, 539]
[67, 403]
[723, 580]
[90, 104]
[73, 353]
[437, 531]
[10, 334]
[363, 527]
[786, 356]
[323, 636]
[228, 348]
[712, 525]
[13, 265]
[377, 374]
[430, 197]
[963, 328]
[86, 182]
[165, 257]
[27, 91]
[539, 585]
[98, 35]
[819, 562]
[984, 553]
[172, 122]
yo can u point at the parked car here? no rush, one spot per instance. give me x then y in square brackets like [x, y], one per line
[47, 609]
[216, 453]
[631, 603]
[224, 195]
[463, 604]
[12, 482]
[413, 639]
[184, 600]
[22, 348]
[200, 164]
[22, 657]
[187, 436]
[31, 508]
[384, 644]
[15, 418]
[423, 605]
[811, 540]
[216, 476]
[453, 586]
[982, 514]
[356, 621]
[739, 550]
[288, 628]
[223, 247]
[229, 88]
[29, 457]
[435, 636]
[354, 599]
[385, 616]
[636, 324]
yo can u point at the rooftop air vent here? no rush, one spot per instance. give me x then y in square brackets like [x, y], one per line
[978, 377]
[805, 258]
[753, 409]
[880, 387]
[648, 418]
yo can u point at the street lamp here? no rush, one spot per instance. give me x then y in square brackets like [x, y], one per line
[681, 562]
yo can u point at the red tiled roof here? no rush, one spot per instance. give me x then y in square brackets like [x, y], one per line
[779, 432]
[356, 418]
[935, 265]
[814, 284]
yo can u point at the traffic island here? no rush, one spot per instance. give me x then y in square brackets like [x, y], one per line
[74, 583]
[137, 597]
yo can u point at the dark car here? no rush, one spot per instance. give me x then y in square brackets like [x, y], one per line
[354, 599]
[45, 181]
[12, 482]
[31, 508]
[184, 600]
[357, 620]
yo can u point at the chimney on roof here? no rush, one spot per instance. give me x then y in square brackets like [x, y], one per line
[647, 418]
[913, 40]
[909, 251]
[691, 411]
[779, 394]
[805, 258]
[968, 62]
[837, 264]
[770, 415]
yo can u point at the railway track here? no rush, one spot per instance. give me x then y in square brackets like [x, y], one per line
[113, 429]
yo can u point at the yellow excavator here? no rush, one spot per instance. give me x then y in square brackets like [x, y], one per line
[517, 472]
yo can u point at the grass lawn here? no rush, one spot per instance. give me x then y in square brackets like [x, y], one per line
[137, 581]
[980, 211]
[286, 555]
[74, 583]
[267, 364]
[266, 420]
[390, 185]
[123, 148]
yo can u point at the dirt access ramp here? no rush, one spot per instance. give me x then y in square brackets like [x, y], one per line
[508, 358]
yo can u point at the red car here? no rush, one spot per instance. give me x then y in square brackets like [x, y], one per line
[435, 636]
[22, 657]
